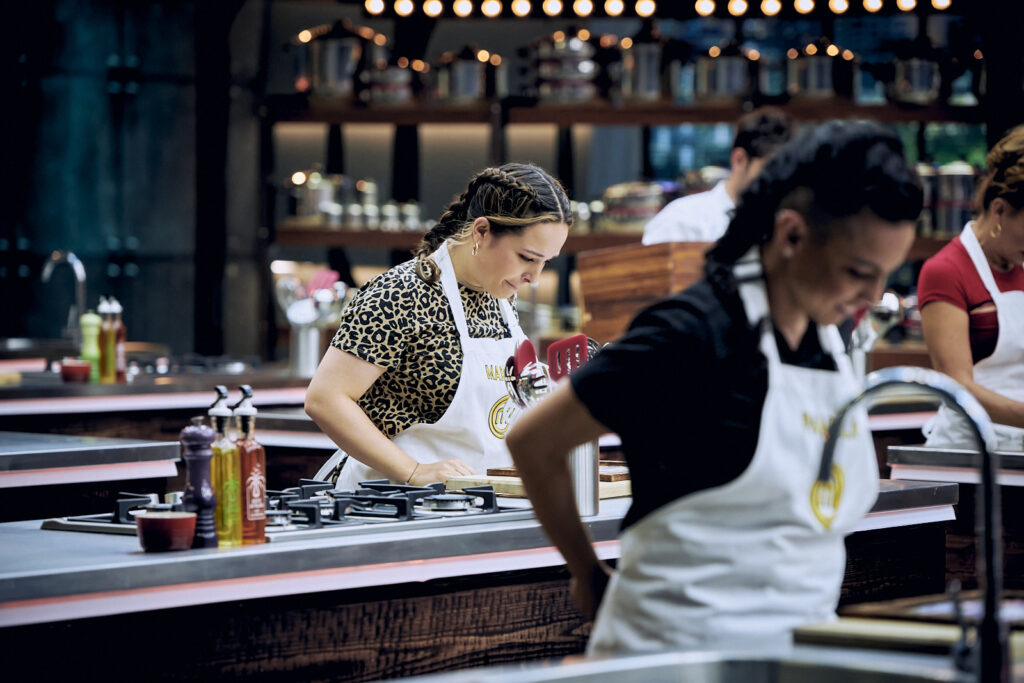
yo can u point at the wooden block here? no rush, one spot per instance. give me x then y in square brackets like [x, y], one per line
[616, 472]
[513, 486]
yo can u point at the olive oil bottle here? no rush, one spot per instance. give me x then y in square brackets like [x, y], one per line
[224, 473]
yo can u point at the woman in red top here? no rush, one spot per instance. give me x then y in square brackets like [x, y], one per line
[972, 303]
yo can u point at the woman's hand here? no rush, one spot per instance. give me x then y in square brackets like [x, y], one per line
[588, 589]
[428, 473]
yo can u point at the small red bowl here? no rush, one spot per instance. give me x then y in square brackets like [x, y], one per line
[75, 370]
[160, 531]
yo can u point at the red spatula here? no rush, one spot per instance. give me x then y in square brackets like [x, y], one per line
[565, 355]
[525, 354]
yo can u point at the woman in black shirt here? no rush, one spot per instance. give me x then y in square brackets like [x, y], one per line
[722, 396]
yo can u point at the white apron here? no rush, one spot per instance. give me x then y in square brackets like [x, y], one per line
[737, 567]
[1002, 372]
[473, 428]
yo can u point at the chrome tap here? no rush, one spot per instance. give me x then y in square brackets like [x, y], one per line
[988, 659]
[71, 329]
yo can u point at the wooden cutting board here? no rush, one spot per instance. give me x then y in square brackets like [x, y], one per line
[513, 486]
[609, 472]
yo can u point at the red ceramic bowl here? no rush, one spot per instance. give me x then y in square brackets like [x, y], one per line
[159, 531]
[75, 370]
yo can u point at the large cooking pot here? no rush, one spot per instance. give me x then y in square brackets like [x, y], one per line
[333, 57]
[819, 70]
[725, 72]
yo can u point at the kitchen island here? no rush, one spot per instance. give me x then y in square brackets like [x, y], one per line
[397, 602]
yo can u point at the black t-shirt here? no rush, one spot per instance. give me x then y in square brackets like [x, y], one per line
[684, 390]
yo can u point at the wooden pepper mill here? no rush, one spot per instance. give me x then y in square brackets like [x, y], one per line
[199, 496]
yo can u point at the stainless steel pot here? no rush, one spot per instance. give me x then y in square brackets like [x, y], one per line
[333, 58]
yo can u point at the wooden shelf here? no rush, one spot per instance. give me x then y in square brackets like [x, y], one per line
[926, 247]
[302, 235]
[303, 109]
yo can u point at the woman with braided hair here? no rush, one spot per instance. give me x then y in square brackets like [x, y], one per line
[971, 296]
[412, 388]
[722, 396]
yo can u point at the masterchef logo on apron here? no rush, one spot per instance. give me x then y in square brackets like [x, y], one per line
[501, 416]
[826, 495]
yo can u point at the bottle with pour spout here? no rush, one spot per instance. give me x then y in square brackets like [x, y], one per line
[120, 362]
[254, 471]
[105, 310]
[224, 473]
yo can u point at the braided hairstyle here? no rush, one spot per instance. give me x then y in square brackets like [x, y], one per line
[511, 197]
[829, 174]
[1004, 173]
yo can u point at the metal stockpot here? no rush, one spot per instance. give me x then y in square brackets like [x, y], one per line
[953, 203]
[724, 73]
[333, 58]
[916, 81]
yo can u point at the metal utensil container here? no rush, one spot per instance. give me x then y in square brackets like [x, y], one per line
[583, 469]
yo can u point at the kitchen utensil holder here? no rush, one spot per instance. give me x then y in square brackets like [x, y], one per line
[583, 461]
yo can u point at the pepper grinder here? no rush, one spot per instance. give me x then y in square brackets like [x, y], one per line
[199, 496]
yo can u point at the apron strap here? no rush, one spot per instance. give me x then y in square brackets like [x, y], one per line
[451, 288]
[973, 247]
[749, 275]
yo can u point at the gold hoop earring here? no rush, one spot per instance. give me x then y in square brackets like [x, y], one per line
[476, 248]
[996, 231]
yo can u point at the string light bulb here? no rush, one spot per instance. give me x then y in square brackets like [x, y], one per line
[374, 6]
[804, 6]
[433, 8]
[645, 8]
[906, 5]
[872, 5]
[737, 7]
[614, 8]
[838, 6]
[705, 7]
[404, 8]
[521, 8]
[491, 8]
[832, 51]
[552, 7]
[462, 8]
[771, 7]
[941, 4]
[305, 36]
[583, 8]
[483, 56]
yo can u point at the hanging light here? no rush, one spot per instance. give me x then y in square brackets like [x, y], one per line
[613, 8]
[305, 36]
[374, 6]
[737, 7]
[645, 8]
[433, 8]
[483, 56]
[552, 7]
[941, 4]
[714, 51]
[848, 55]
[832, 51]
[495, 60]
[583, 8]
[491, 8]
[771, 7]
[838, 6]
[804, 6]
[404, 8]
[872, 5]
[705, 7]
[626, 43]
[462, 8]
[521, 8]
[906, 5]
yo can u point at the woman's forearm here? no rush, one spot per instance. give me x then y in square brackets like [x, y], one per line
[1001, 409]
[348, 426]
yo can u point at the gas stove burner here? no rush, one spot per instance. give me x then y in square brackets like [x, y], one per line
[449, 501]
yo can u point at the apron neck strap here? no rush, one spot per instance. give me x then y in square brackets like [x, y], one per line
[974, 250]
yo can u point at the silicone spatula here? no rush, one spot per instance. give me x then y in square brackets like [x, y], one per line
[565, 355]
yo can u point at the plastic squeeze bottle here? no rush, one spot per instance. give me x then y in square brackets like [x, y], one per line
[105, 310]
[254, 471]
[90, 324]
[224, 474]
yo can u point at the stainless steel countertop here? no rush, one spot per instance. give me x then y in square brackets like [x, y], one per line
[36, 563]
[950, 457]
[23, 451]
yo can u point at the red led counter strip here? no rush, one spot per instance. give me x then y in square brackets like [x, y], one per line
[65, 608]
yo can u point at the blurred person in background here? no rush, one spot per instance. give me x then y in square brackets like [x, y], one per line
[704, 216]
[971, 296]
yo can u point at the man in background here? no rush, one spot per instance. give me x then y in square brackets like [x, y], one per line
[704, 216]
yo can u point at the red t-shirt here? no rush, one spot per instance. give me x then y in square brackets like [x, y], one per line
[950, 276]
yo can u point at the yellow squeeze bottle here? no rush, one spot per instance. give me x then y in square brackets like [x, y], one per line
[225, 475]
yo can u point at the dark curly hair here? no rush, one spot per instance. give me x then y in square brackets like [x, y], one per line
[511, 197]
[830, 173]
[1004, 173]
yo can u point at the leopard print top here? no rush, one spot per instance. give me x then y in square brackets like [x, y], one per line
[403, 324]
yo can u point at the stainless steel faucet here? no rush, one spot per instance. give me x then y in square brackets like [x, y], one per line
[988, 660]
[71, 329]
